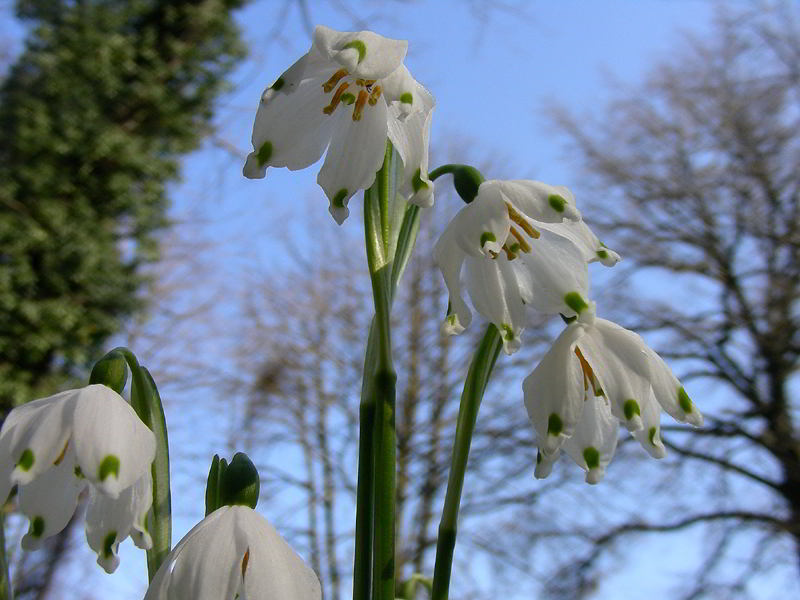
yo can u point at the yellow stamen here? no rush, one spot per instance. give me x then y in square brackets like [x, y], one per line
[588, 374]
[337, 96]
[61, 456]
[365, 82]
[360, 102]
[522, 222]
[245, 560]
[523, 244]
[509, 253]
[374, 95]
[335, 78]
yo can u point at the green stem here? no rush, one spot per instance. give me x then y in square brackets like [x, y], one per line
[146, 401]
[477, 378]
[384, 378]
[6, 593]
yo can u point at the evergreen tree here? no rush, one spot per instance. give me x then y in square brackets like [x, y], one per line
[96, 114]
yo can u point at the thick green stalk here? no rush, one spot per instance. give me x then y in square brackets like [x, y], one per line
[146, 401]
[378, 241]
[477, 378]
[6, 593]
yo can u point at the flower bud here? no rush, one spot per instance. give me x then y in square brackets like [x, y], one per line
[111, 371]
[467, 180]
[232, 483]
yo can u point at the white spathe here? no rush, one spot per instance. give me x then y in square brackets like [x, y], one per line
[52, 448]
[347, 94]
[521, 243]
[596, 376]
[234, 553]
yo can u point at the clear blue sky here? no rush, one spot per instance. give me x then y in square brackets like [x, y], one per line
[491, 73]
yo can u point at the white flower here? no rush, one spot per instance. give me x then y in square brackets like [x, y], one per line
[54, 447]
[512, 243]
[234, 553]
[629, 384]
[351, 90]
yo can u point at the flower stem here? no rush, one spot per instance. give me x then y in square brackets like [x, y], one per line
[146, 401]
[6, 593]
[477, 378]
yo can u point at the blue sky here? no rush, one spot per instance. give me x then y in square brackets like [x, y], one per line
[492, 74]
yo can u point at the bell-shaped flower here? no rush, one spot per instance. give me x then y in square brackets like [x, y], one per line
[596, 376]
[54, 447]
[512, 258]
[347, 94]
[233, 553]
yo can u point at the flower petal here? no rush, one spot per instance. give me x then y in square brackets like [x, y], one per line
[112, 445]
[355, 155]
[554, 391]
[273, 569]
[482, 226]
[553, 276]
[291, 130]
[49, 501]
[364, 54]
[544, 463]
[539, 201]
[620, 363]
[35, 434]
[669, 392]
[410, 134]
[110, 520]
[649, 436]
[584, 238]
[594, 441]
[493, 288]
[449, 257]
[205, 565]
[405, 93]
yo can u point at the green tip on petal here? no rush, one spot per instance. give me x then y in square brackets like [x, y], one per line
[576, 302]
[78, 473]
[416, 181]
[630, 409]
[109, 466]
[278, 84]
[554, 424]
[508, 332]
[651, 434]
[26, 460]
[359, 47]
[487, 236]
[557, 203]
[264, 153]
[683, 401]
[338, 199]
[592, 457]
[602, 254]
[406, 98]
[108, 542]
[37, 527]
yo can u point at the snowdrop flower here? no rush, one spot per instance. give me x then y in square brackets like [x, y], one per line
[54, 447]
[511, 242]
[233, 553]
[347, 94]
[594, 377]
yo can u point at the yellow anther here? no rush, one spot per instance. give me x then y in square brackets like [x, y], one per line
[367, 83]
[523, 244]
[588, 374]
[360, 102]
[61, 456]
[245, 560]
[522, 222]
[511, 255]
[337, 96]
[335, 78]
[374, 95]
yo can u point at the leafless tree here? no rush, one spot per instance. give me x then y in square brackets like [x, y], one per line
[696, 180]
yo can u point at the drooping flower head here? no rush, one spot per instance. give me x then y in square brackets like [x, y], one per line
[233, 553]
[54, 447]
[522, 243]
[348, 94]
[596, 376]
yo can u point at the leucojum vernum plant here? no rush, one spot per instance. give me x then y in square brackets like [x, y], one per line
[515, 245]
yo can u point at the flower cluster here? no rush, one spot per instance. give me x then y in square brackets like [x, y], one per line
[53, 448]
